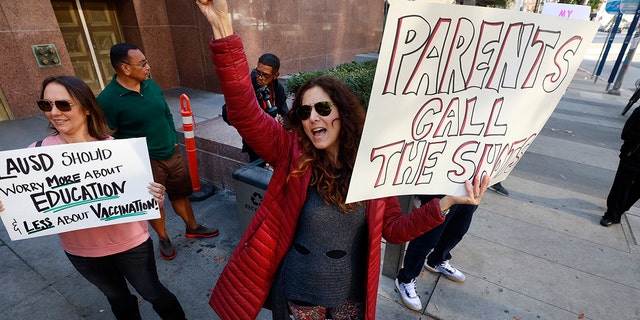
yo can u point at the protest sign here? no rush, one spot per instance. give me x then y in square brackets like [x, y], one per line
[54, 189]
[573, 11]
[460, 91]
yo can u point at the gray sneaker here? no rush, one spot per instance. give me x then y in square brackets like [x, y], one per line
[201, 232]
[167, 251]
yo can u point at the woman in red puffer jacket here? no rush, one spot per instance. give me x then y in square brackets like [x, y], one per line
[314, 253]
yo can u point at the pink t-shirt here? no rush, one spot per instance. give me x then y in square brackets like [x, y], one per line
[100, 241]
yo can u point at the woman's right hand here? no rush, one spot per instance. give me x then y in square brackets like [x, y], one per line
[1, 207]
[217, 13]
[473, 197]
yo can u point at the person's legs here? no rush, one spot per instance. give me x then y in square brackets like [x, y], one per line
[617, 200]
[634, 194]
[417, 250]
[104, 274]
[159, 225]
[182, 207]
[438, 259]
[452, 234]
[139, 267]
[179, 187]
[161, 175]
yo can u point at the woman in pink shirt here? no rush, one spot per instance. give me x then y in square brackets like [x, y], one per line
[107, 256]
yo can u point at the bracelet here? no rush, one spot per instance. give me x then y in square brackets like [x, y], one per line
[445, 212]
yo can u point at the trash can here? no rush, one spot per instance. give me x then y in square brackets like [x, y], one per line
[250, 184]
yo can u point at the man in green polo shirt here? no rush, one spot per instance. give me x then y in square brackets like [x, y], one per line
[135, 107]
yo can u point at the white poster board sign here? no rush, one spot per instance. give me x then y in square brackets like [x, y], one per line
[565, 10]
[460, 91]
[54, 189]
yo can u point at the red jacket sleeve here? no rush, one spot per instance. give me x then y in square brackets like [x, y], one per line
[398, 228]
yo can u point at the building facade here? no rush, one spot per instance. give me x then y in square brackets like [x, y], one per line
[72, 37]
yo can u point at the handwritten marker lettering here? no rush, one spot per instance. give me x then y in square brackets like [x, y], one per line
[44, 201]
[71, 158]
[134, 208]
[38, 225]
[56, 181]
[36, 162]
[22, 188]
[483, 55]
[75, 217]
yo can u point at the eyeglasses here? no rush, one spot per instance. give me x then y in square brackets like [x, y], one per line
[260, 74]
[140, 64]
[323, 108]
[47, 105]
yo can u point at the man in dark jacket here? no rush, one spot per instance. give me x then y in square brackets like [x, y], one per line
[625, 190]
[270, 93]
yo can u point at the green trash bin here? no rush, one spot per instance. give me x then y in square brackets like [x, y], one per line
[250, 184]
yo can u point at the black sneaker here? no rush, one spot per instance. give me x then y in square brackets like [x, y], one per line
[167, 251]
[499, 189]
[201, 232]
[606, 222]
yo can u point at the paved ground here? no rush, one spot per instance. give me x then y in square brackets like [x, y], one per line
[537, 254]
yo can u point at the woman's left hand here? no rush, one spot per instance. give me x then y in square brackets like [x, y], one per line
[157, 190]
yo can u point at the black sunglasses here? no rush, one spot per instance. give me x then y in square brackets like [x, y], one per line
[47, 105]
[323, 108]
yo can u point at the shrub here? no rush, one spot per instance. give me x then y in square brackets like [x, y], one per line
[358, 77]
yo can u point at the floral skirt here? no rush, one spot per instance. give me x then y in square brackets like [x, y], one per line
[350, 310]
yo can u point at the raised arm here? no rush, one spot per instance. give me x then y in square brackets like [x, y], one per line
[217, 13]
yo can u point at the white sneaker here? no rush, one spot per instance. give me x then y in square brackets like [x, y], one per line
[448, 270]
[408, 295]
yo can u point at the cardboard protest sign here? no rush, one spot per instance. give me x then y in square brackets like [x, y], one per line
[460, 91]
[54, 189]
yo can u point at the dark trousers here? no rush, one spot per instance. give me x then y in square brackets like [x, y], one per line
[441, 239]
[625, 190]
[111, 273]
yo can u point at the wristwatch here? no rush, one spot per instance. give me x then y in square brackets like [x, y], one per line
[445, 212]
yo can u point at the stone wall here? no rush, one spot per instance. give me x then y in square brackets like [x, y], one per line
[306, 35]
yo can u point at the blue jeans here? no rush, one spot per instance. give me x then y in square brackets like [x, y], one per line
[111, 273]
[441, 239]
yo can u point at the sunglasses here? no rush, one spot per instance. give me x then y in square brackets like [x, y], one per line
[323, 108]
[47, 105]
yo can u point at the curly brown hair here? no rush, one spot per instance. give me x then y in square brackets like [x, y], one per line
[331, 179]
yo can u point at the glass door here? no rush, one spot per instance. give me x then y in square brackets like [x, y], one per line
[89, 29]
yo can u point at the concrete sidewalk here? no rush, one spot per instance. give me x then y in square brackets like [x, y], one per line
[538, 253]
